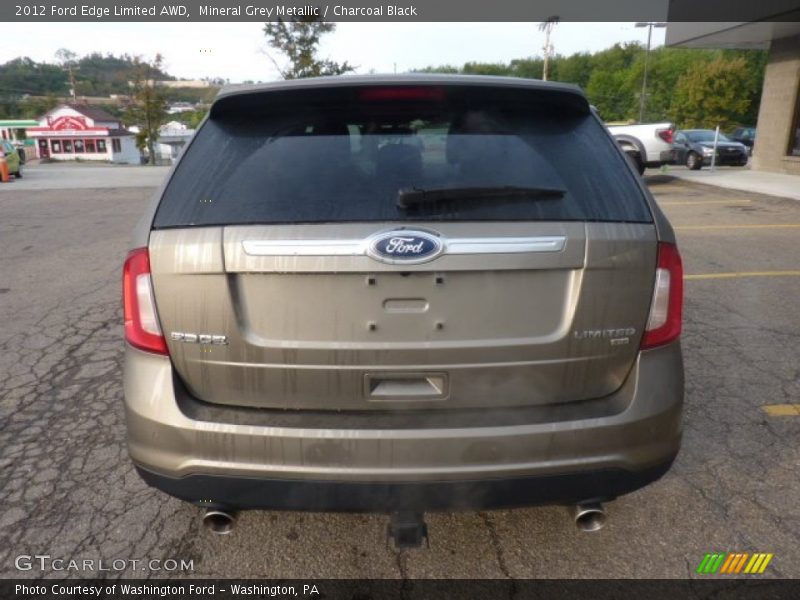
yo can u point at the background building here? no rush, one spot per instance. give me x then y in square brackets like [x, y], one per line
[777, 145]
[73, 131]
[172, 138]
[13, 130]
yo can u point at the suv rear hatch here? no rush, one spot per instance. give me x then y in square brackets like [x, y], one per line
[366, 246]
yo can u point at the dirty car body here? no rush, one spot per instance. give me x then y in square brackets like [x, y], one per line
[402, 293]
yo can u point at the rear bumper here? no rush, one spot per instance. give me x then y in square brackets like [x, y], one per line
[665, 157]
[242, 493]
[736, 160]
[552, 454]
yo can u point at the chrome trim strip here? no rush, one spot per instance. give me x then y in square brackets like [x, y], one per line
[506, 245]
[476, 245]
[304, 247]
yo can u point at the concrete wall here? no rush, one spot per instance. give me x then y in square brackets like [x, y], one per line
[88, 156]
[129, 154]
[776, 116]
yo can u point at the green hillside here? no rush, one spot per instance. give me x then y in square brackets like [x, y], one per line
[29, 88]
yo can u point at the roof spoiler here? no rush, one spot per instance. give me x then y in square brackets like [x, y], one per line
[349, 89]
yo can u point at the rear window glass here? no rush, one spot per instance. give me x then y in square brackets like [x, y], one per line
[349, 161]
[706, 136]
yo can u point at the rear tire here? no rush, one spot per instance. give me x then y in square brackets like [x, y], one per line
[694, 162]
[18, 174]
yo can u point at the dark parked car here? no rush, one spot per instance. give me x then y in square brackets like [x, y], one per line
[744, 135]
[695, 147]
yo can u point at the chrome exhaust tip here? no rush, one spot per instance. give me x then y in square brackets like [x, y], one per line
[219, 522]
[589, 517]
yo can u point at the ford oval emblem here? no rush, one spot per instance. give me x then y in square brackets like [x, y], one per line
[404, 246]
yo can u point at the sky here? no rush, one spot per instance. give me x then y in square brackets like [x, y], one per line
[236, 51]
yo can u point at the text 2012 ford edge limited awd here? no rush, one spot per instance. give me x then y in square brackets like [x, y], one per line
[402, 294]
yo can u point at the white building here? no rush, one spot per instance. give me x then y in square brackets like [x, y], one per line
[172, 137]
[75, 131]
[179, 107]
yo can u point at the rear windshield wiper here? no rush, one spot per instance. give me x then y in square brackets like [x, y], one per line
[414, 196]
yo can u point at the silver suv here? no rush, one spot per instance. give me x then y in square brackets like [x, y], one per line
[402, 294]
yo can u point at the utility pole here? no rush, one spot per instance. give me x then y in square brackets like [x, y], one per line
[67, 59]
[649, 26]
[547, 27]
[71, 82]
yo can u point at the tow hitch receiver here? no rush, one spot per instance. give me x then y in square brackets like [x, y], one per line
[407, 529]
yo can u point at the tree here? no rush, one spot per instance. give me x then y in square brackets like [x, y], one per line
[34, 108]
[449, 69]
[713, 93]
[756, 61]
[576, 68]
[613, 86]
[680, 82]
[666, 65]
[24, 76]
[103, 75]
[473, 68]
[298, 39]
[147, 107]
[531, 67]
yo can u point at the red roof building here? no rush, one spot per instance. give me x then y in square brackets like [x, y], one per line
[75, 131]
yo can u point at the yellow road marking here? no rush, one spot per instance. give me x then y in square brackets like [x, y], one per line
[782, 410]
[760, 226]
[701, 202]
[766, 562]
[756, 559]
[754, 568]
[737, 274]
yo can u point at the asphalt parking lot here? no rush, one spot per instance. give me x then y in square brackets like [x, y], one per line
[68, 489]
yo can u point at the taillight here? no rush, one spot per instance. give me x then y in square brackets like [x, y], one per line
[666, 310]
[139, 307]
[665, 134]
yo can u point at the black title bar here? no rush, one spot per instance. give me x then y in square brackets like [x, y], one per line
[384, 589]
[399, 10]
